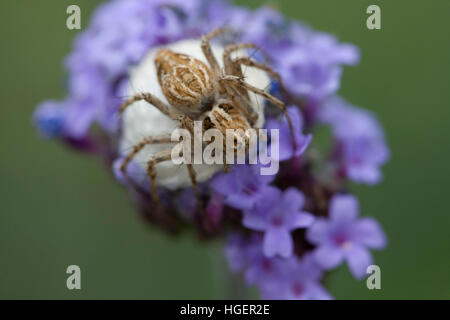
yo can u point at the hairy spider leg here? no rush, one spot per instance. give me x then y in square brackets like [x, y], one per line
[278, 103]
[151, 99]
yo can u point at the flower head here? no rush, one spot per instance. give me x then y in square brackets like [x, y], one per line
[113, 58]
[345, 237]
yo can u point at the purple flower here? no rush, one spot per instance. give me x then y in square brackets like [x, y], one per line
[312, 67]
[361, 148]
[284, 144]
[344, 237]
[277, 215]
[49, 119]
[245, 254]
[298, 279]
[243, 186]
[277, 278]
[259, 268]
[268, 29]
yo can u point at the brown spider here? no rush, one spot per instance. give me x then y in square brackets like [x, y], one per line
[197, 92]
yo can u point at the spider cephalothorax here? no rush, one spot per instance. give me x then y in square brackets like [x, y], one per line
[186, 82]
[196, 91]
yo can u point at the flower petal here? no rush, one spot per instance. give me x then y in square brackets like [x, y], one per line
[318, 232]
[255, 220]
[358, 259]
[293, 200]
[328, 257]
[368, 232]
[225, 184]
[278, 241]
[318, 292]
[300, 220]
[365, 173]
[240, 201]
[344, 208]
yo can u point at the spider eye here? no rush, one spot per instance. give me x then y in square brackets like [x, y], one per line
[226, 107]
[207, 123]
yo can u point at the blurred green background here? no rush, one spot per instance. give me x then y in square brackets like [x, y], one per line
[58, 207]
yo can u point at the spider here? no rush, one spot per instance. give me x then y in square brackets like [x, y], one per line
[196, 91]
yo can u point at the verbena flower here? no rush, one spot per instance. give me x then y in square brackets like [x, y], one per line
[277, 215]
[312, 67]
[246, 254]
[263, 217]
[298, 279]
[360, 149]
[277, 278]
[345, 237]
[243, 186]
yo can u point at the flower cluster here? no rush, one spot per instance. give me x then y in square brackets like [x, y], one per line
[285, 231]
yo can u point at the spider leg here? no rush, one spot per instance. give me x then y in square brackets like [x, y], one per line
[155, 159]
[252, 63]
[230, 67]
[188, 124]
[157, 139]
[241, 102]
[246, 61]
[153, 100]
[277, 102]
[207, 51]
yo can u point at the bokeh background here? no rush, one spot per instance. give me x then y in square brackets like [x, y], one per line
[59, 207]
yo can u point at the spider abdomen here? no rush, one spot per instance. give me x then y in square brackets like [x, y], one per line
[186, 82]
